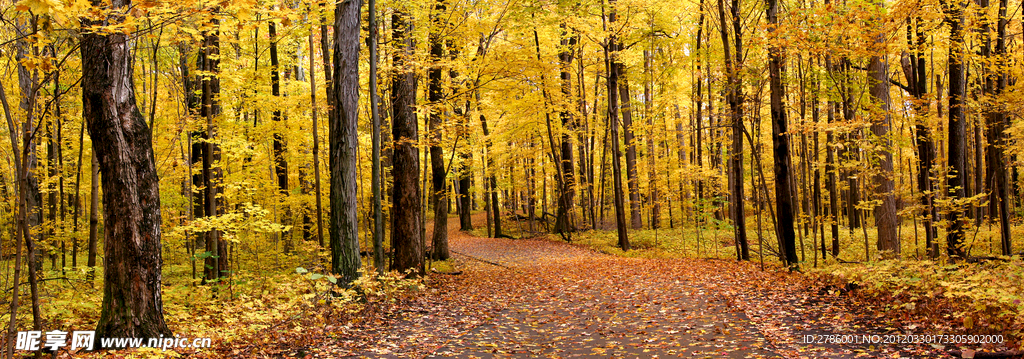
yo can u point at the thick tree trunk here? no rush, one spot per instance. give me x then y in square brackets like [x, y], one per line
[344, 142]
[435, 122]
[132, 305]
[406, 235]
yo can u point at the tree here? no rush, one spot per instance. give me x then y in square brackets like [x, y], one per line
[780, 144]
[957, 129]
[406, 235]
[734, 95]
[344, 143]
[280, 147]
[439, 240]
[885, 214]
[612, 48]
[132, 305]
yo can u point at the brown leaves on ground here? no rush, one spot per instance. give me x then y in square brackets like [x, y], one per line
[544, 298]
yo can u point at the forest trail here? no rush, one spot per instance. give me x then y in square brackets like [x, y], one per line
[544, 298]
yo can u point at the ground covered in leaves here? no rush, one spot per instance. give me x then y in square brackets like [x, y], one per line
[546, 298]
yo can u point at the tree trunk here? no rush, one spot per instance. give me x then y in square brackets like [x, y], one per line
[435, 122]
[735, 99]
[378, 216]
[563, 222]
[780, 142]
[885, 215]
[132, 305]
[406, 235]
[632, 183]
[614, 67]
[957, 131]
[280, 147]
[344, 142]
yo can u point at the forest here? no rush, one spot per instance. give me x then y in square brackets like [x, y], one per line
[427, 178]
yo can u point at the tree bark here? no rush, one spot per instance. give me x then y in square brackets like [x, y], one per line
[132, 305]
[435, 122]
[780, 142]
[885, 215]
[614, 67]
[344, 143]
[406, 235]
[957, 131]
[735, 98]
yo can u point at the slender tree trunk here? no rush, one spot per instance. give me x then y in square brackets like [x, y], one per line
[378, 216]
[735, 99]
[632, 182]
[614, 73]
[957, 131]
[781, 147]
[563, 220]
[280, 147]
[132, 305]
[885, 215]
[316, 145]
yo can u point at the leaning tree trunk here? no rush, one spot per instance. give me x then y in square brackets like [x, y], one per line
[344, 142]
[132, 306]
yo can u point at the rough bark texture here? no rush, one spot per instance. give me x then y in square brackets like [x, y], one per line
[406, 235]
[132, 305]
[344, 142]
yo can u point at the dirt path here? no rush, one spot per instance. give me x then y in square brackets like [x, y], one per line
[542, 298]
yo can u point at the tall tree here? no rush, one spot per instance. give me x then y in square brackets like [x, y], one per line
[132, 304]
[613, 67]
[957, 128]
[378, 217]
[344, 143]
[406, 235]
[734, 95]
[885, 213]
[280, 147]
[780, 142]
[439, 194]
[566, 47]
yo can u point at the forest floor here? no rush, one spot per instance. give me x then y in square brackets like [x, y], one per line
[544, 298]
